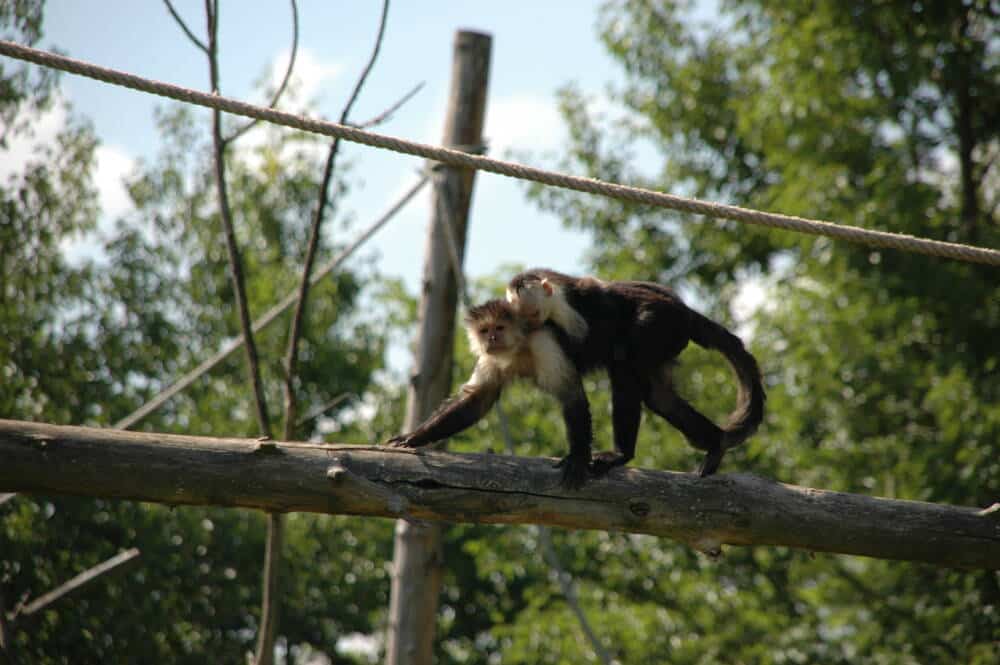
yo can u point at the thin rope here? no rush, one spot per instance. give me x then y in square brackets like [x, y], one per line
[461, 159]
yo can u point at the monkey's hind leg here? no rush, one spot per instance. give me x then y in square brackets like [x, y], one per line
[700, 432]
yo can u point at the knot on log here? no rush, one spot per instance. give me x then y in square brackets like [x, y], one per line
[639, 508]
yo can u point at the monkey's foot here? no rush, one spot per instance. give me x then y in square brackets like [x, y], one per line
[575, 471]
[713, 458]
[607, 460]
[399, 442]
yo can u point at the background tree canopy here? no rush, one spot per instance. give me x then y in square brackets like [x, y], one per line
[881, 366]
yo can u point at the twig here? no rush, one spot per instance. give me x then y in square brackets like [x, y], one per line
[284, 81]
[225, 213]
[295, 330]
[187, 31]
[568, 588]
[115, 563]
[275, 523]
[272, 314]
[268, 619]
[386, 114]
[319, 411]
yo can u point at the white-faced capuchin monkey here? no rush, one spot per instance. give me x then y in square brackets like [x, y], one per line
[505, 350]
[636, 330]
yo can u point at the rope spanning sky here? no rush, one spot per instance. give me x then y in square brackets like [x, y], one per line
[451, 157]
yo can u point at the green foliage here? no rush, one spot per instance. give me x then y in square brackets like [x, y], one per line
[88, 340]
[880, 366]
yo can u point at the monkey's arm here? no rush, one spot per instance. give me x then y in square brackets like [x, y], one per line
[579, 431]
[458, 413]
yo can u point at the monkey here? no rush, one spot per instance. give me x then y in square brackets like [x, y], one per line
[636, 330]
[505, 351]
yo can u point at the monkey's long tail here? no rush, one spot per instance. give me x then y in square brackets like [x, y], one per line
[749, 413]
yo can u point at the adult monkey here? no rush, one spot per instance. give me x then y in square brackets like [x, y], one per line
[636, 330]
[507, 350]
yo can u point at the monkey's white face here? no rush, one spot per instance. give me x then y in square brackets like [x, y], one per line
[494, 337]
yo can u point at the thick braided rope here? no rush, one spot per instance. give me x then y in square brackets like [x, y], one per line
[462, 159]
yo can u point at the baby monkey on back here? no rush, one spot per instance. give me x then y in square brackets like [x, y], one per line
[506, 350]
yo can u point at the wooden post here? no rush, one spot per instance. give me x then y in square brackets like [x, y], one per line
[417, 563]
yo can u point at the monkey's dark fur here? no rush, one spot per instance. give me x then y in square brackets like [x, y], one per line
[636, 330]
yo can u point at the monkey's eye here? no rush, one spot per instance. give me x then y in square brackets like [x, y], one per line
[500, 328]
[483, 331]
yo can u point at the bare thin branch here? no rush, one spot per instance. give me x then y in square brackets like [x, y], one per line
[319, 411]
[271, 315]
[386, 114]
[368, 67]
[225, 213]
[271, 601]
[295, 330]
[115, 563]
[275, 522]
[284, 81]
[187, 31]
[269, 607]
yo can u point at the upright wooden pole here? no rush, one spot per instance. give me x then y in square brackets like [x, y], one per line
[418, 560]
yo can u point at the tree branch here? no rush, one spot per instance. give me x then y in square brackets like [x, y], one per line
[705, 513]
[275, 525]
[225, 213]
[284, 81]
[117, 563]
[187, 31]
[274, 312]
[295, 330]
[386, 114]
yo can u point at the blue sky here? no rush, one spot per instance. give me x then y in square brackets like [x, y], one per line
[537, 47]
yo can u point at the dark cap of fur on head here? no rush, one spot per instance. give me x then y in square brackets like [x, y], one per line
[491, 310]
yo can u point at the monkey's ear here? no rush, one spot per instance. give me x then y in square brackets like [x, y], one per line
[547, 287]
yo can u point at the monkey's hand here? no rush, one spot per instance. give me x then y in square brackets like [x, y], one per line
[605, 461]
[575, 471]
[401, 441]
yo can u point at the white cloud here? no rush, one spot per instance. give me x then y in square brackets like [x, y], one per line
[524, 122]
[751, 296]
[43, 131]
[113, 164]
[310, 74]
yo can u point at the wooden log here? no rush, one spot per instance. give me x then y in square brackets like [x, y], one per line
[705, 513]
